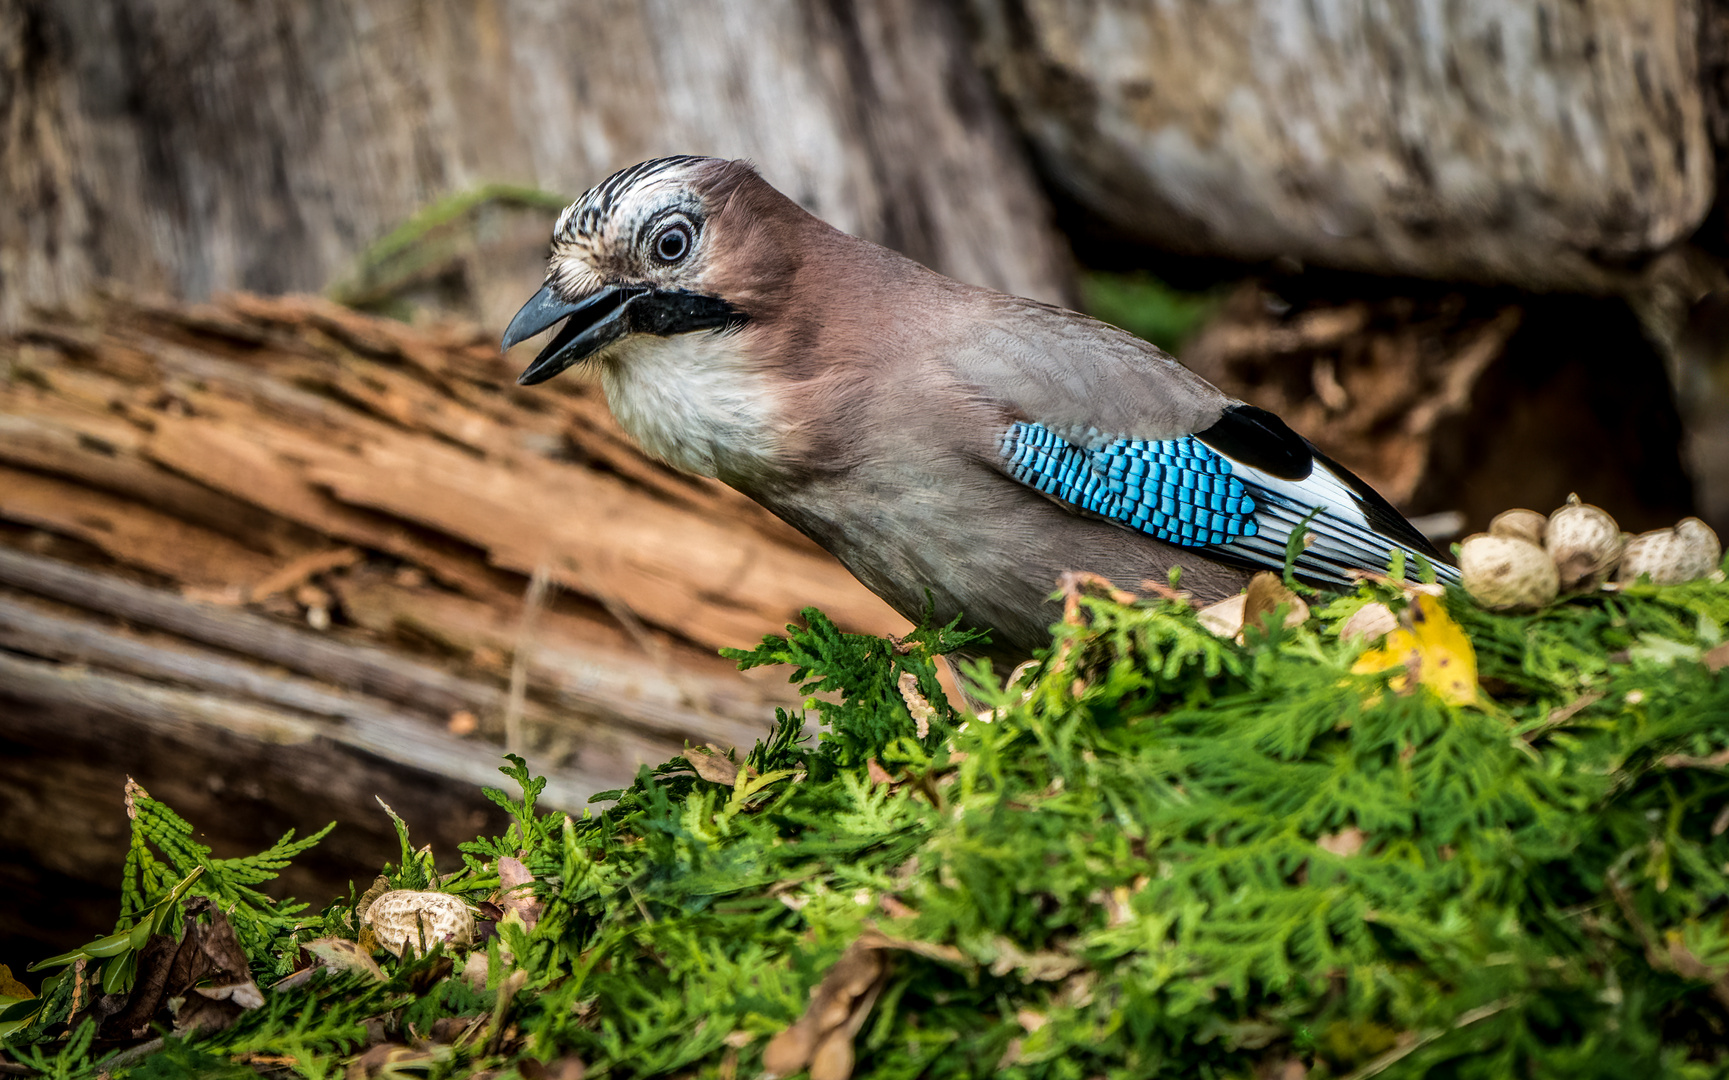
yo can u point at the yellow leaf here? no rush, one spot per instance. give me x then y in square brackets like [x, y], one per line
[1431, 647]
[12, 988]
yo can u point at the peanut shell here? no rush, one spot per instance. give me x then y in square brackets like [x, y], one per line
[1585, 543]
[1686, 552]
[1503, 572]
[1520, 525]
[397, 918]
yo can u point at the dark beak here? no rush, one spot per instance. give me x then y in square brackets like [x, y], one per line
[601, 318]
[596, 321]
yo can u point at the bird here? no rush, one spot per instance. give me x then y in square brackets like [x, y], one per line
[958, 449]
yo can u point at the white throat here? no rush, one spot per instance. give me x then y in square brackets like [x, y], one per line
[696, 401]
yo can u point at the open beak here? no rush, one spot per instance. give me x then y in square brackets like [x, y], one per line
[602, 317]
[596, 321]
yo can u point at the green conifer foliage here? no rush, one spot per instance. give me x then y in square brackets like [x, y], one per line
[1162, 853]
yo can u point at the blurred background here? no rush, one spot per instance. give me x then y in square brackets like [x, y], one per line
[278, 533]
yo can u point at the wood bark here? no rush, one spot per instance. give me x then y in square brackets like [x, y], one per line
[190, 147]
[1540, 144]
[246, 544]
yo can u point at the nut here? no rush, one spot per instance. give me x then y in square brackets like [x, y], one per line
[1688, 551]
[398, 917]
[1585, 543]
[1502, 572]
[1371, 622]
[1520, 525]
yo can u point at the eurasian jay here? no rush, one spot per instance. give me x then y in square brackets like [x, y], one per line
[937, 437]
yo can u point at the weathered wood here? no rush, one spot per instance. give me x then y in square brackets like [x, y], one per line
[24, 629]
[649, 690]
[1550, 146]
[104, 452]
[599, 685]
[359, 667]
[1464, 404]
[187, 717]
[63, 826]
[174, 144]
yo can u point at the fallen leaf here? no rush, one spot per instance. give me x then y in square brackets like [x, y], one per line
[380, 885]
[1225, 618]
[565, 1068]
[1431, 647]
[1344, 843]
[516, 891]
[475, 970]
[1718, 760]
[1044, 965]
[131, 1016]
[1266, 595]
[1716, 659]
[244, 994]
[713, 765]
[210, 953]
[394, 1059]
[344, 955]
[930, 950]
[792, 1049]
[821, 1039]
[1371, 622]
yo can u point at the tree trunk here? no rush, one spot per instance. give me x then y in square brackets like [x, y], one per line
[193, 148]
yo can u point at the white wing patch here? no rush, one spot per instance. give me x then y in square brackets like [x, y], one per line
[1340, 536]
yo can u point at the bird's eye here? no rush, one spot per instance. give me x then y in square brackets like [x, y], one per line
[672, 244]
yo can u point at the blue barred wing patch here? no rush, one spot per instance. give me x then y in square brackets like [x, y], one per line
[1177, 490]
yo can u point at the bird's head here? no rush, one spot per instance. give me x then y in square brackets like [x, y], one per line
[667, 247]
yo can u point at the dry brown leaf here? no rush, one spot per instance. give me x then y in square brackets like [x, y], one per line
[894, 908]
[1225, 618]
[566, 1068]
[946, 954]
[712, 764]
[833, 1004]
[1344, 843]
[1718, 760]
[878, 774]
[821, 1039]
[344, 955]
[516, 891]
[1043, 965]
[1371, 622]
[390, 1059]
[1266, 593]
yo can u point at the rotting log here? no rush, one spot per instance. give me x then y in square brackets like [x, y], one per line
[252, 545]
[1511, 142]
